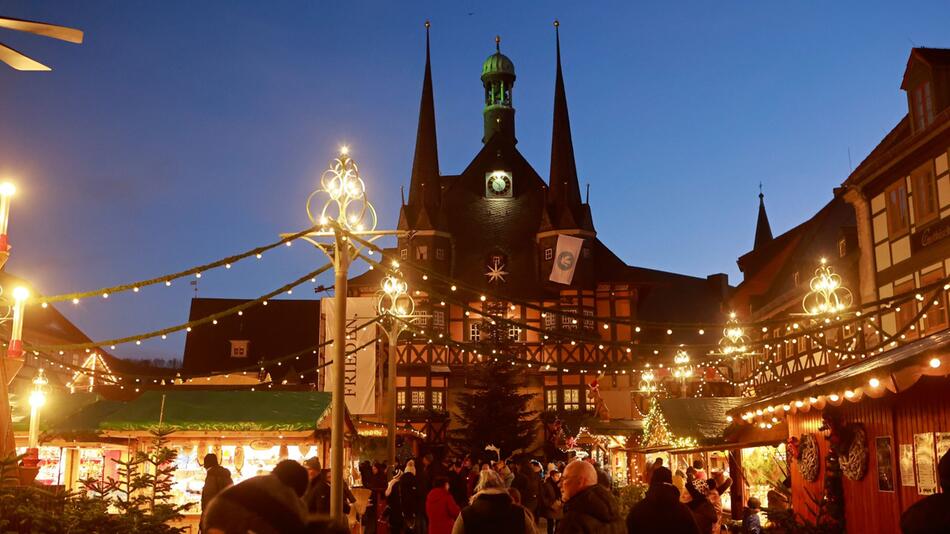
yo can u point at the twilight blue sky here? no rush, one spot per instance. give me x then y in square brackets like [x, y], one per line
[181, 132]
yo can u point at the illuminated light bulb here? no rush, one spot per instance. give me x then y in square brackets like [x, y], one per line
[164, 336]
[45, 305]
[834, 397]
[669, 332]
[935, 362]
[728, 418]
[799, 404]
[7, 189]
[606, 327]
[786, 407]
[138, 342]
[637, 329]
[482, 298]
[215, 321]
[848, 394]
[105, 295]
[702, 332]
[259, 256]
[168, 283]
[874, 382]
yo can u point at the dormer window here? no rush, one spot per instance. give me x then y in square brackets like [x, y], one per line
[922, 106]
[239, 348]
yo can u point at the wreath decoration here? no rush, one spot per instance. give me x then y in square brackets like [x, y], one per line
[854, 458]
[808, 457]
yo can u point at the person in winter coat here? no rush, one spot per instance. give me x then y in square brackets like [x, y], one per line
[217, 479]
[457, 484]
[505, 472]
[932, 513]
[528, 482]
[551, 504]
[661, 511]
[752, 523]
[268, 504]
[492, 511]
[405, 501]
[588, 507]
[317, 496]
[441, 508]
[702, 504]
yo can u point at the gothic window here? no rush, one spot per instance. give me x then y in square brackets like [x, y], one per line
[422, 252]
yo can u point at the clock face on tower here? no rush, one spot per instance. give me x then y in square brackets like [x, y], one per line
[498, 184]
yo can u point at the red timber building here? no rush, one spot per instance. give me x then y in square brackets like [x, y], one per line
[492, 230]
[862, 396]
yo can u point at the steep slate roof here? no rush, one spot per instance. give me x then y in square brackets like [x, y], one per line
[703, 419]
[281, 328]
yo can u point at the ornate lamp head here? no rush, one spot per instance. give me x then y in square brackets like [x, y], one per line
[341, 198]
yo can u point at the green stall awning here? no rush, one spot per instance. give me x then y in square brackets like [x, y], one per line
[234, 411]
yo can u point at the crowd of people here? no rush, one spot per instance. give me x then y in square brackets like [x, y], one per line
[460, 496]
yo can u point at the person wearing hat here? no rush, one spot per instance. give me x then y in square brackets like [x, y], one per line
[217, 479]
[661, 511]
[932, 513]
[551, 505]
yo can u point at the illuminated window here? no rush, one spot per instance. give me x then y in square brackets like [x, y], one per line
[588, 323]
[438, 401]
[550, 399]
[514, 332]
[418, 399]
[842, 247]
[925, 193]
[404, 254]
[401, 399]
[474, 331]
[568, 322]
[549, 254]
[438, 319]
[239, 348]
[550, 321]
[897, 216]
[572, 399]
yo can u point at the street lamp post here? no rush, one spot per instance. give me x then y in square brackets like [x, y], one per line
[338, 208]
[398, 308]
[37, 400]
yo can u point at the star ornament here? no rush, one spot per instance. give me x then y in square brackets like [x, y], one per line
[496, 272]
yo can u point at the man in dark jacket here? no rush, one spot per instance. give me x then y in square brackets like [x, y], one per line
[704, 511]
[661, 511]
[268, 504]
[931, 514]
[588, 507]
[217, 479]
[528, 482]
[317, 496]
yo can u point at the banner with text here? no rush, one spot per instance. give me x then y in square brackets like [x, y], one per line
[565, 259]
[359, 381]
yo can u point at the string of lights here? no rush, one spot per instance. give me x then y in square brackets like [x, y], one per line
[167, 279]
[187, 326]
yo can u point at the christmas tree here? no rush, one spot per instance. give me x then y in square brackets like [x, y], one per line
[494, 411]
[656, 431]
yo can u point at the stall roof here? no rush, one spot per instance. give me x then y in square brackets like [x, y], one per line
[263, 411]
[222, 411]
[703, 418]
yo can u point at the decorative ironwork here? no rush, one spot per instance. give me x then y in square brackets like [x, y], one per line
[826, 295]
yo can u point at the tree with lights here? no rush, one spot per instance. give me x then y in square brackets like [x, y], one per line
[494, 411]
[655, 429]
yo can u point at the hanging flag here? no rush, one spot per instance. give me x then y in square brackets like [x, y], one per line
[359, 380]
[565, 259]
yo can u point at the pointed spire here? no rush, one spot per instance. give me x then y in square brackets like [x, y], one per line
[565, 190]
[763, 232]
[424, 187]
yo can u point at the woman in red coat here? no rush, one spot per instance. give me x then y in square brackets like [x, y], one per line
[441, 508]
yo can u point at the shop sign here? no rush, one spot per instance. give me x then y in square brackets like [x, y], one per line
[930, 235]
[359, 381]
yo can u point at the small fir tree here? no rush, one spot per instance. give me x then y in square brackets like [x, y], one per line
[494, 411]
[655, 429]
